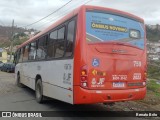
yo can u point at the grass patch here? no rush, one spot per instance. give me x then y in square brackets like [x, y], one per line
[153, 71]
[153, 89]
[151, 98]
[153, 86]
[153, 93]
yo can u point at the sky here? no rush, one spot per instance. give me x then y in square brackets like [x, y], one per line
[25, 12]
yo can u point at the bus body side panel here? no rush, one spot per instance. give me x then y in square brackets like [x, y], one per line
[20, 67]
[79, 51]
[58, 79]
[56, 75]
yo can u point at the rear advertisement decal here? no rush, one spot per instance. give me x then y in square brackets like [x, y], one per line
[104, 27]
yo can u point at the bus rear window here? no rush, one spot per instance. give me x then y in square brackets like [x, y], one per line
[104, 27]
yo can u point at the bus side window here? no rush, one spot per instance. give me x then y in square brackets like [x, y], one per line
[70, 38]
[32, 51]
[20, 55]
[25, 53]
[59, 44]
[52, 39]
[42, 48]
[15, 57]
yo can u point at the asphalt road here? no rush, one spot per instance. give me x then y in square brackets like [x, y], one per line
[13, 98]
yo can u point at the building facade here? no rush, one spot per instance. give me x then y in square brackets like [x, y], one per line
[3, 55]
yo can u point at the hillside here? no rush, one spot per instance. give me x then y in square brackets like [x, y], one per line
[5, 34]
[153, 34]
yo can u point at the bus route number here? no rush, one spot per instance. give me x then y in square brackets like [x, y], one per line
[137, 63]
[67, 74]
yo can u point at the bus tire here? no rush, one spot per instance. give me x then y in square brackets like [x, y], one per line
[39, 91]
[19, 84]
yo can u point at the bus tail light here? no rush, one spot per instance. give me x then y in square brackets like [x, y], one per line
[144, 83]
[84, 77]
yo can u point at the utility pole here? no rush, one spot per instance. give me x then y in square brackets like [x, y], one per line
[12, 37]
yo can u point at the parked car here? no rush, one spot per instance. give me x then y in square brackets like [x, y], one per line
[1, 64]
[3, 67]
[8, 67]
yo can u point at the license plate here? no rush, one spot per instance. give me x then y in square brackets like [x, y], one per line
[118, 84]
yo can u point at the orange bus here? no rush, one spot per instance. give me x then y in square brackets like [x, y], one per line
[92, 55]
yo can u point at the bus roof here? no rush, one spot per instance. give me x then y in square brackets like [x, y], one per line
[74, 12]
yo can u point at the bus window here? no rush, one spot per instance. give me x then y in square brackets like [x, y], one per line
[52, 38]
[20, 55]
[61, 32]
[17, 56]
[53, 35]
[59, 44]
[25, 53]
[42, 48]
[70, 38]
[32, 51]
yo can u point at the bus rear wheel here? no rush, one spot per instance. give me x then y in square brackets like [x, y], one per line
[39, 91]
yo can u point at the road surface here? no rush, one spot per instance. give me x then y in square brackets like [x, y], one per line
[13, 98]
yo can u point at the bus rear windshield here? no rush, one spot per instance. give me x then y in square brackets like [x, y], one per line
[104, 27]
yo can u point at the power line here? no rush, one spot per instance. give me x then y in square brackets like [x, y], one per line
[48, 14]
[53, 19]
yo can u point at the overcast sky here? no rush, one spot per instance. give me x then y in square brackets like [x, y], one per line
[25, 12]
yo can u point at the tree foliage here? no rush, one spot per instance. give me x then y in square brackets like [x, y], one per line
[20, 38]
[153, 34]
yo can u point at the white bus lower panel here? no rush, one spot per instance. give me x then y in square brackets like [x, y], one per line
[58, 92]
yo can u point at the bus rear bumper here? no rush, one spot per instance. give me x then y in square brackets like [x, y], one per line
[84, 96]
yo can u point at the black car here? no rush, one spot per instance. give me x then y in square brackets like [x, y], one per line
[3, 67]
[8, 67]
[1, 64]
